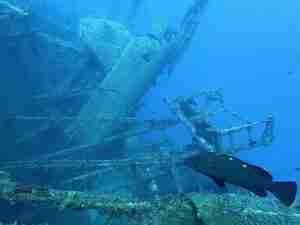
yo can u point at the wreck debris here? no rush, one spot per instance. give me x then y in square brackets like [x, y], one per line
[70, 94]
[106, 39]
[120, 53]
[210, 138]
[149, 56]
[142, 59]
[195, 117]
[143, 159]
[210, 209]
[10, 10]
[138, 128]
[180, 39]
[13, 21]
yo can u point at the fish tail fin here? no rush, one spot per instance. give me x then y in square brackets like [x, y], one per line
[284, 191]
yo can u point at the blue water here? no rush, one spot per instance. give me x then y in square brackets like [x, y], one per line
[248, 49]
[251, 50]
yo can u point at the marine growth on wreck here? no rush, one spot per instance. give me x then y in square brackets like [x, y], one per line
[75, 150]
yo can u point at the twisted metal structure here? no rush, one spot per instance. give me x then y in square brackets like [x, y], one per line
[192, 209]
[207, 135]
[152, 54]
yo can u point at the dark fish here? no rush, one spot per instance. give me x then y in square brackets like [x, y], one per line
[224, 168]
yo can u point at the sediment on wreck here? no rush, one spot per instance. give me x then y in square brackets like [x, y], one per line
[192, 209]
[127, 66]
[120, 91]
[130, 78]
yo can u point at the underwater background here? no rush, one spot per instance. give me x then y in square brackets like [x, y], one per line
[248, 50]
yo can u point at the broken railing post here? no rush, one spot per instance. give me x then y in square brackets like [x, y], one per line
[211, 138]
